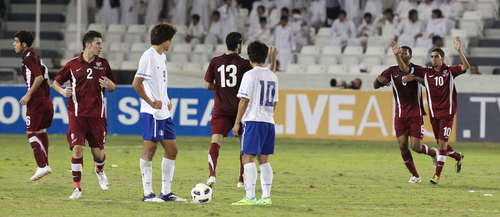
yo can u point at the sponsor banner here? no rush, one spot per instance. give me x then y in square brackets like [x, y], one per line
[478, 117]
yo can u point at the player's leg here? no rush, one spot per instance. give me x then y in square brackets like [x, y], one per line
[416, 134]
[441, 158]
[266, 171]
[46, 123]
[40, 152]
[150, 134]
[96, 140]
[241, 183]
[168, 163]
[447, 125]
[77, 129]
[213, 155]
[402, 128]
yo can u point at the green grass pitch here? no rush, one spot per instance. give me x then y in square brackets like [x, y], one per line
[311, 178]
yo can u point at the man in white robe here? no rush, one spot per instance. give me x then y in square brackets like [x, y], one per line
[409, 30]
[404, 7]
[284, 41]
[374, 7]
[351, 7]
[342, 30]
[261, 33]
[154, 9]
[299, 28]
[255, 21]
[214, 35]
[195, 32]
[228, 15]
[277, 20]
[364, 31]
[109, 12]
[435, 27]
[71, 12]
[425, 10]
[387, 26]
[129, 14]
[180, 14]
[202, 8]
[317, 14]
[450, 10]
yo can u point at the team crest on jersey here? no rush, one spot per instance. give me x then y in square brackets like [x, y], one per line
[445, 73]
[98, 64]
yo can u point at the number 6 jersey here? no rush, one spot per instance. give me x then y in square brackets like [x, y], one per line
[87, 98]
[440, 86]
[227, 71]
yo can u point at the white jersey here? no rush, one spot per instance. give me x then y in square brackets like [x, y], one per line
[153, 68]
[260, 86]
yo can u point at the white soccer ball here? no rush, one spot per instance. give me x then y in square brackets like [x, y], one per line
[201, 193]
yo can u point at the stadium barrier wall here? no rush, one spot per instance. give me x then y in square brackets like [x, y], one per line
[325, 114]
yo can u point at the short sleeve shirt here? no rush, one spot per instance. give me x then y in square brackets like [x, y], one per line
[33, 67]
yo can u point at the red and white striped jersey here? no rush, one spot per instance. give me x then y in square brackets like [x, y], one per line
[87, 99]
[440, 87]
[408, 96]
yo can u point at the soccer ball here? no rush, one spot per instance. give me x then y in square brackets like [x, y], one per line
[201, 193]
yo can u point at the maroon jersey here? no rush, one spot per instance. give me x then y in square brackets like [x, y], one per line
[33, 67]
[408, 96]
[87, 99]
[227, 70]
[440, 85]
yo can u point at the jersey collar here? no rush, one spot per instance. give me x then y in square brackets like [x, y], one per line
[27, 52]
[80, 58]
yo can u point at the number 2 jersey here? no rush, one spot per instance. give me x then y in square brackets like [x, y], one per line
[440, 86]
[260, 86]
[227, 70]
[87, 97]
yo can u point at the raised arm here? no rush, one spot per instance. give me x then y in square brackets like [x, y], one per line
[458, 46]
[273, 52]
[395, 49]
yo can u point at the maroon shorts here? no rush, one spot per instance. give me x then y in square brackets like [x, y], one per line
[91, 129]
[409, 125]
[442, 127]
[39, 115]
[221, 124]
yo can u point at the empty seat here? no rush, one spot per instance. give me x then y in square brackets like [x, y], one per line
[219, 50]
[472, 22]
[129, 65]
[390, 59]
[136, 51]
[180, 53]
[316, 69]
[354, 69]
[322, 36]
[97, 27]
[117, 51]
[419, 56]
[115, 65]
[373, 56]
[488, 8]
[135, 33]
[174, 67]
[201, 53]
[296, 68]
[337, 69]
[115, 32]
[378, 69]
[308, 55]
[352, 55]
[192, 67]
[330, 55]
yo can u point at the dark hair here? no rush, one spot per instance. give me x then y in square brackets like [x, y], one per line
[388, 10]
[25, 36]
[407, 48]
[216, 13]
[284, 18]
[412, 12]
[262, 7]
[473, 64]
[196, 17]
[438, 13]
[439, 50]
[368, 15]
[262, 19]
[285, 9]
[436, 38]
[233, 39]
[343, 12]
[296, 10]
[257, 52]
[89, 37]
[162, 32]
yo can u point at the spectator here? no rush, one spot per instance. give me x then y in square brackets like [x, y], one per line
[332, 10]
[374, 7]
[154, 9]
[365, 30]
[409, 30]
[180, 15]
[262, 33]
[214, 35]
[474, 70]
[130, 15]
[451, 10]
[195, 32]
[299, 29]
[276, 21]
[387, 25]
[71, 11]
[284, 41]
[228, 15]
[342, 30]
[317, 14]
[109, 11]
[255, 22]
[435, 27]
[403, 9]
[425, 10]
[351, 7]
[56, 62]
[436, 42]
[202, 8]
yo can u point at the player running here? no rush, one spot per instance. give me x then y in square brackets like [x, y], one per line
[408, 119]
[224, 75]
[88, 75]
[39, 108]
[150, 83]
[259, 95]
[441, 98]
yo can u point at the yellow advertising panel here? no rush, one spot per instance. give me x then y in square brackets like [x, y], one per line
[340, 114]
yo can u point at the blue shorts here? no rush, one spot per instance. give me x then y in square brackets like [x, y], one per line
[258, 138]
[157, 130]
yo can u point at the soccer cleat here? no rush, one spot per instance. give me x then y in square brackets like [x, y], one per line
[246, 201]
[241, 185]
[458, 163]
[414, 179]
[268, 201]
[211, 181]
[151, 198]
[435, 179]
[41, 172]
[435, 159]
[76, 194]
[171, 197]
[103, 180]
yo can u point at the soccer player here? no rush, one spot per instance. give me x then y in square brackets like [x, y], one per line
[224, 75]
[259, 95]
[88, 75]
[150, 83]
[39, 108]
[441, 98]
[408, 119]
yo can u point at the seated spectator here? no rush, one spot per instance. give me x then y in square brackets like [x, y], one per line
[342, 30]
[425, 10]
[365, 30]
[283, 41]
[195, 32]
[262, 33]
[435, 27]
[436, 42]
[273, 22]
[474, 70]
[409, 30]
[255, 22]
[403, 9]
[451, 10]
[387, 25]
[317, 14]
[214, 35]
[374, 7]
[299, 29]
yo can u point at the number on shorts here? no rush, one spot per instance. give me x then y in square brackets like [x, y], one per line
[233, 70]
[422, 129]
[447, 131]
[28, 120]
[104, 140]
[89, 75]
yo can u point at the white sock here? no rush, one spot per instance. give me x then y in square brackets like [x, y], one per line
[167, 173]
[147, 176]
[250, 177]
[266, 179]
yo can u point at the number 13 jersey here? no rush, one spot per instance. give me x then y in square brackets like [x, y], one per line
[227, 71]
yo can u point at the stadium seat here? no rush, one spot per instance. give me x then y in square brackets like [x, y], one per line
[296, 68]
[129, 65]
[174, 67]
[8, 76]
[354, 69]
[488, 8]
[337, 69]
[147, 35]
[219, 50]
[192, 67]
[244, 51]
[316, 69]
[419, 55]
[180, 53]
[448, 59]
[115, 33]
[70, 33]
[330, 55]
[136, 51]
[201, 53]
[322, 36]
[97, 27]
[466, 5]
[378, 69]
[117, 51]
[373, 56]
[389, 58]
[71, 50]
[115, 65]
[134, 33]
[205, 67]
[308, 55]
[472, 22]
[352, 55]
